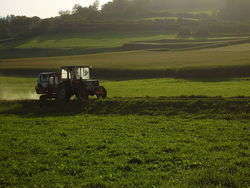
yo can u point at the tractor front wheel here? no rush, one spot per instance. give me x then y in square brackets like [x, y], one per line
[101, 92]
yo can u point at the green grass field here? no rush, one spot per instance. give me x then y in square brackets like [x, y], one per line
[135, 143]
[174, 117]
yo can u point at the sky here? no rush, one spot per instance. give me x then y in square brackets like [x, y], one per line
[41, 8]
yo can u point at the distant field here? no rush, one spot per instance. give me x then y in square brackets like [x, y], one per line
[208, 12]
[170, 18]
[107, 42]
[225, 56]
[228, 61]
[193, 11]
[88, 40]
[161, 18]
[62, 44]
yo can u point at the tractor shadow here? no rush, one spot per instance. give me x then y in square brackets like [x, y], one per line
[36, 108]
[150, 106]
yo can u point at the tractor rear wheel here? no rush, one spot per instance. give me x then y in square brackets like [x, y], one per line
[101, 92]
[43, 98]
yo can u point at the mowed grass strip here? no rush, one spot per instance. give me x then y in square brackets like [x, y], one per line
[237, 55]
[179, 87]
[24, 88]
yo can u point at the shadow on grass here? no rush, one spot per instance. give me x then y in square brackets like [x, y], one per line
[13, 53]
[207, 74]
[182, 44]
[13, 43]
[199, 105]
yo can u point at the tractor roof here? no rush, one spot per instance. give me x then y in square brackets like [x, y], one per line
[74, 67]
[48, 73]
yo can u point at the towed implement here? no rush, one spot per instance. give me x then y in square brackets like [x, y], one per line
[71, 81]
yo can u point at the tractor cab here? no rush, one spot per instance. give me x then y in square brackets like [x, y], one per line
[75, 73]
[46, 82]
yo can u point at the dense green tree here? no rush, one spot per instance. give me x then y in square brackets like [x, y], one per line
[90, 13]
[86, 19]
[117, 9]
[13, 26]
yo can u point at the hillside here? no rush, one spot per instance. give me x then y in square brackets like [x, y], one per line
[67, 44]
[90, 40]
[223, 61]
[62, 44]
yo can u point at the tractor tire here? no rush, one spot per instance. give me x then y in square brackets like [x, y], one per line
[82, 94]
[62, 94]
[43, 98]
[101, 92]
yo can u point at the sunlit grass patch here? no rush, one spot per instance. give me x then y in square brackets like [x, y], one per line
[24, 88]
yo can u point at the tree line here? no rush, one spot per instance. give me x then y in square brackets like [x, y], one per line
[236, 10]
[125, 15]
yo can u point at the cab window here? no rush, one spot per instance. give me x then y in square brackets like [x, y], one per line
[44, 78]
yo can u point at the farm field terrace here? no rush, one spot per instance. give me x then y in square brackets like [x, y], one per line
[88, 40]
[93, 43]
[235, 55]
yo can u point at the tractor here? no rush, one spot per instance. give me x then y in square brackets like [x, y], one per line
[71, 81]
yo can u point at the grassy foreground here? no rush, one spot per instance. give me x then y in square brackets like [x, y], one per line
[128, 142]
[135, 143]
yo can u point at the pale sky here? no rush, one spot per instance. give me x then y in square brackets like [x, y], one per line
[41, 8]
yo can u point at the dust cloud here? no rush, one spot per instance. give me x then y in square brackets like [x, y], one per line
[17, 95]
